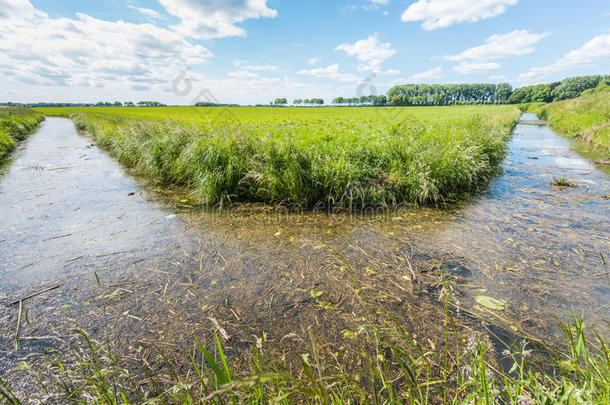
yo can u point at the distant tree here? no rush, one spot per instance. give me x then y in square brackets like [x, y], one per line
[503, 92]
[543, 95]
[280, 102]
[306, 101]
[339, 100]
[128, 104]
[117, 104]
[381, 100]
[297, 101]
[150, 104]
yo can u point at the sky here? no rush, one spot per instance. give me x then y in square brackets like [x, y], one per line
[253, 51]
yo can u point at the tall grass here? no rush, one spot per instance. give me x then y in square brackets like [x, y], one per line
[392, 368]
[15, 125]
[586, 118]
[333, 156]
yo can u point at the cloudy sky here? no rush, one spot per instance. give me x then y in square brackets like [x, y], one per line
[252, 51]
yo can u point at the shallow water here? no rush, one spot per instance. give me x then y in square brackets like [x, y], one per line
[149, 269]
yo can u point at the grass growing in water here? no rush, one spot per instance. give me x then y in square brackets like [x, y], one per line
[348, 157]
[394, 369]
[586, 117]
[15, 125]
[562, 182]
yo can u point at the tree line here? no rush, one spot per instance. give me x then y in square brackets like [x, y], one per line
[363, 100]
[449, 94]
[571, 87]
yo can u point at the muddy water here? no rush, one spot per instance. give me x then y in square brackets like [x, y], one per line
[137, 264]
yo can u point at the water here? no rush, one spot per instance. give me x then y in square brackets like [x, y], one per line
[137, 264]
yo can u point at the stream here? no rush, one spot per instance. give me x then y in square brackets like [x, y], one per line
[129, 259]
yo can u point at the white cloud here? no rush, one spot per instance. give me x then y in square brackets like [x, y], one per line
[432, 74]
[16, 9]
[243, 74]
[596, 49]
[369, 51]
[314, 61]
[473, 68]
[330, 72]
[239, 62]
[518, 42]
[90, 52]
[443, 13]
[380, 1]
[390, 72]
[271, 68]
[146, 11]
[215, 18]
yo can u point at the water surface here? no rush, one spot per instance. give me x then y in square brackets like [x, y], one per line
[138, 264]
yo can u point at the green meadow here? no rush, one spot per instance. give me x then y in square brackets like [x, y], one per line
[345, 157]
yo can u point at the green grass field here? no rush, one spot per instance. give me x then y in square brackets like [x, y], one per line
[586, 118]
[15, 124]
[348, 157]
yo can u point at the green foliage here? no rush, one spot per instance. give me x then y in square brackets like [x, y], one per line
[586, 118]
[574, 86]
[333, 156]
[15, 125]
[364, 100]
[531, 107]
[569, 88]
[449, 94]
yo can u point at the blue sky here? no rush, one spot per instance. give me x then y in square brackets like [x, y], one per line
[252, 51]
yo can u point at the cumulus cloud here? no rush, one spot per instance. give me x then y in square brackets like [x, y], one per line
[443, 13]
[473, 68]
[16, 9]
[87, 51]
[596, 49]
[314, 61]
[215, 18]
[330, 72]
[432, 74]
[369, 51]
[518, 42]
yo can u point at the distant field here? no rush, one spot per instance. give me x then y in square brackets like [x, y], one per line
[15, 124]
[349, 157]
[586, 117]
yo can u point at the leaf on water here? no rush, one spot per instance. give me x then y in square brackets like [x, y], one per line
[491, 303]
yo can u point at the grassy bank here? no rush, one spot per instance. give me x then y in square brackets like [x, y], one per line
[15, 125]
[586, 118]
[332, 156]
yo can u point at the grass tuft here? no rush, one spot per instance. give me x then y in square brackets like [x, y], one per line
[309, 157]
